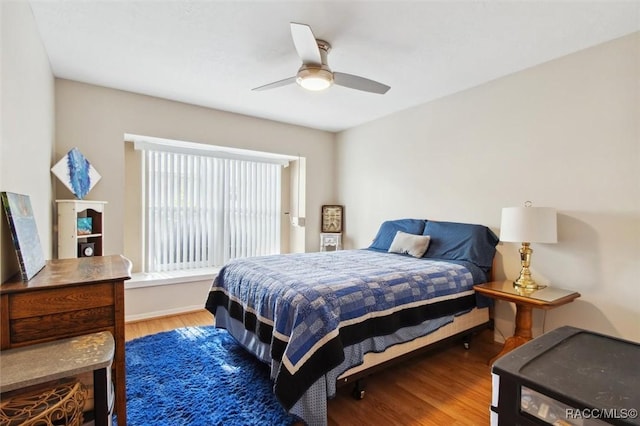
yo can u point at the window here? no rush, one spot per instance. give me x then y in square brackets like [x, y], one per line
[202, 210]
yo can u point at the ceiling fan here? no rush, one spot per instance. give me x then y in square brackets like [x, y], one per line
[315, 74]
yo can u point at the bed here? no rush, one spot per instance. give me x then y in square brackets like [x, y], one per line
[323, 319]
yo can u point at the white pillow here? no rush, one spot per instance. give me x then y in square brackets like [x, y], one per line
[415, 245]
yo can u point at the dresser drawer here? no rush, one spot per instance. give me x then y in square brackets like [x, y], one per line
[54, 301]
[64, 324]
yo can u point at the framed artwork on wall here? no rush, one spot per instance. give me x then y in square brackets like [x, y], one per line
[76, 173]
[24, 233]
[331, 218]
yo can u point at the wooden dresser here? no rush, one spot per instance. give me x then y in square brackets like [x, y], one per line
[69, 297]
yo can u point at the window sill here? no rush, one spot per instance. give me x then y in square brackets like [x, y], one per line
[153, 279]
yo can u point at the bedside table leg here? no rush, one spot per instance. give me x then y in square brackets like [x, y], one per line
[524, 322]
[522, 334]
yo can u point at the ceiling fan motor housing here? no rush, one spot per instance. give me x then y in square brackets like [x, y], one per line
[316, 76]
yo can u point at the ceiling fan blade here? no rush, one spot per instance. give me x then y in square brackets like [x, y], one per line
[306, 44]
[275, 84]
[359, 83]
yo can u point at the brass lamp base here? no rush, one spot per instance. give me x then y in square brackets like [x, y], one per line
[525, 281]
[527, 288]
[527, 284]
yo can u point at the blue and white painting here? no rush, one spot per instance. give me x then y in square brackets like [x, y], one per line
[85, 225]
[24, 233]
[77, 174]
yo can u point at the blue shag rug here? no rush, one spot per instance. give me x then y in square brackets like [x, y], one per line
[198, 376]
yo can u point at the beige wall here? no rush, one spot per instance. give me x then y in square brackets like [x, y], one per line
[149, 302]
[571, 124]
[26, 124]
[95, 120]
[564, 134]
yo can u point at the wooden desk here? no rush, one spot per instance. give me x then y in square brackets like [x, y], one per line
[526, 301]
[69, 297]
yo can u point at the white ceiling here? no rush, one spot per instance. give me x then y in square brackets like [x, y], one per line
[212, 53]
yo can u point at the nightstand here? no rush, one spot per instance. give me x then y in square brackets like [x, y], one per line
[330, 241]
[544, 298]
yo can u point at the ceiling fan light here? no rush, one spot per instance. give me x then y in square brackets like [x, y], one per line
[314, 83]
[315, 79]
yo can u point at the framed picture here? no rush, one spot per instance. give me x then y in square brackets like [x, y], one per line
[85, 226]
[76, 173]
[332, 219]
[17, 208]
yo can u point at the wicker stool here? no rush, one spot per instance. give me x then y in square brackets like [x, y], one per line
[60, 403]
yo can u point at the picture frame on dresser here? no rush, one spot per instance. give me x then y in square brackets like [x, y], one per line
[24, 233]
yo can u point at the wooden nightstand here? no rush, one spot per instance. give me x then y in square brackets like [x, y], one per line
[544, 298]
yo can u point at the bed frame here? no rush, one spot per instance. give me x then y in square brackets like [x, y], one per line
[462, 328]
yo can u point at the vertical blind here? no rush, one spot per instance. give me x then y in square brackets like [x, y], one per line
[203, 211]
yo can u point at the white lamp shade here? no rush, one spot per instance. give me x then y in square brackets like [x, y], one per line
[529, 224]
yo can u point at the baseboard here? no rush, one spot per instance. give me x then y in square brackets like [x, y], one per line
[162, 313]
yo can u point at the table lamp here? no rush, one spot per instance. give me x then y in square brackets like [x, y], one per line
[528, 225]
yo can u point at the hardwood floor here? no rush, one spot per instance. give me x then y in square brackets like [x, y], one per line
[135, 329]
[447, 386]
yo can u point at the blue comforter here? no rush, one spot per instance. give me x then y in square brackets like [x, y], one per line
[309, 306]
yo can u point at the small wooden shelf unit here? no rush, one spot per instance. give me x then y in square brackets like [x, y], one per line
[69, 211]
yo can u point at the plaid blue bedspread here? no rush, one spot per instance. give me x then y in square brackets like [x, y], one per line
[309, 306]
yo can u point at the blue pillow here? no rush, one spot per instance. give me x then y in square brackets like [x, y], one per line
[461, 241]
[388, 230]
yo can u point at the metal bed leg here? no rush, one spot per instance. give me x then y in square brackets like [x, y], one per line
[466, 341]
[358, 389]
